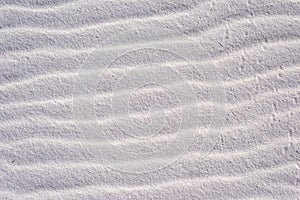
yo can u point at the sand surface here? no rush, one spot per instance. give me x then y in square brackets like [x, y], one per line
[149, 99]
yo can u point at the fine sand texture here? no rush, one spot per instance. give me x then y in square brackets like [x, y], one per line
[149, 99]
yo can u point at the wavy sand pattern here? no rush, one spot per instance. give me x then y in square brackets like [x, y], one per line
[238, 67]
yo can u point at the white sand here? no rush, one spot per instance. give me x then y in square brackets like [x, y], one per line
[149, 77]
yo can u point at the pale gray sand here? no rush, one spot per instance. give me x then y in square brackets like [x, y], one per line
[131, 99]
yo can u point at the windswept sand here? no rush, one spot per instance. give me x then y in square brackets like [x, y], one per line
[222, 74]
